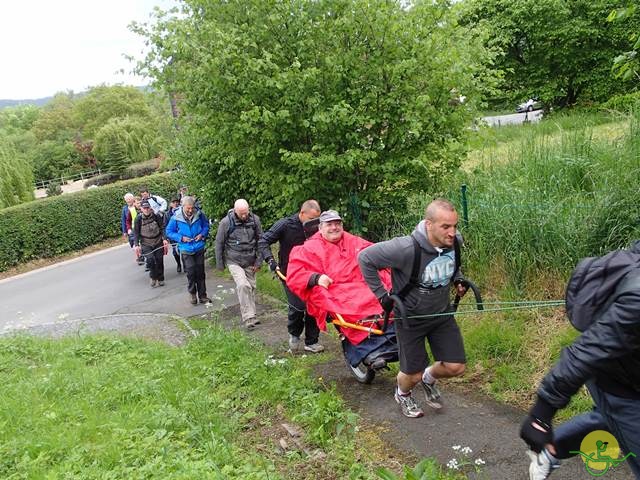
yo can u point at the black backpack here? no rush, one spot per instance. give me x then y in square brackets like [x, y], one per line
[593, 282]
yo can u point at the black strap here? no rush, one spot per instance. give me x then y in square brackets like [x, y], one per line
[414, 279]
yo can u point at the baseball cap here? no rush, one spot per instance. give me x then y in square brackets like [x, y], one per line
[145, 204]
[330, 215]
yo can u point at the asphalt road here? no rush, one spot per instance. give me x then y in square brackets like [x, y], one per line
[106, 286]
[513, 119]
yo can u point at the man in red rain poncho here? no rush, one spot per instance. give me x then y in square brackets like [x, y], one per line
[325, 274]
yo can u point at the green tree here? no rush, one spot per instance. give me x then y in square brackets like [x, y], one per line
[54, 158]
[56, 122]
[353, 102]
[123, 141]
[627, 65]
[100, 104]
[16, 179]
[559, 50]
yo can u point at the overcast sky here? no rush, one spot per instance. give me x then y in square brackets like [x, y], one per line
[47, 46]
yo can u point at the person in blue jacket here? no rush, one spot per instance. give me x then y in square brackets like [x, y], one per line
[189, 227]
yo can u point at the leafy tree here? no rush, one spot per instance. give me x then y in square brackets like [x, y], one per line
[627, 64]
[56, 122]
[16, 179]
[53, 159]
[559, 50]
[353, 102]
[102, 103]
[123, 141]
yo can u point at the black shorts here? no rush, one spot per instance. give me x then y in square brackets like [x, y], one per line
[444, 339]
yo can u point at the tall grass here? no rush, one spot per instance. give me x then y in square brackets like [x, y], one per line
[556, 199]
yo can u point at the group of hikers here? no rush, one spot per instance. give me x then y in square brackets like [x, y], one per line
[331, 270]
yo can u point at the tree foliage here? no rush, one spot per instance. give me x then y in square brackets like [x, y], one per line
[559, 50]
[627, 65]
[103, 103]
[352, 102]
[16, 179]
[123, 141]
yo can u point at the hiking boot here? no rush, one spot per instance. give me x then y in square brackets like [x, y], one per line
[205, 299]
[161, 283]
[542, 464]
[294, 343]
[194, 299]
[250, 324]
[154, 283]
[314, 348]
[409, 406]
[431, 394]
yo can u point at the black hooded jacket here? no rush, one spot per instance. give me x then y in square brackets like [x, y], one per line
[608, 352]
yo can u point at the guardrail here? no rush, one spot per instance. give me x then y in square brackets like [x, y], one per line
[66, 178]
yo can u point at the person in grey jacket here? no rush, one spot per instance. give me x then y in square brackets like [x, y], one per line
[433, 240]
[237, 249]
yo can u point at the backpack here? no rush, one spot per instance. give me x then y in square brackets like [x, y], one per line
[593, 283]
[232, 224]
[414, 279]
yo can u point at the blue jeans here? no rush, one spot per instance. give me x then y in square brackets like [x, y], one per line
[619, 416]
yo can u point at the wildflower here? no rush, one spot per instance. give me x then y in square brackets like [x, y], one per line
[466, 451]
[456, 447]
[479, 461]
[453, 464]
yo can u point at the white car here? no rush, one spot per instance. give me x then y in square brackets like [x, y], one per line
[529, 106]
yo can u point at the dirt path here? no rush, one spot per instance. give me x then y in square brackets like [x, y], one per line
[475, 421]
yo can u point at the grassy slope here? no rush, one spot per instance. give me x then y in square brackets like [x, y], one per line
[541, 196]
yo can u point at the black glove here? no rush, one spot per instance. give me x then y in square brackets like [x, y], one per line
[541, 434]
[273, 265]
[387, 303]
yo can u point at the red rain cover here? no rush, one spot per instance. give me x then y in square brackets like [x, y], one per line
[348, 295]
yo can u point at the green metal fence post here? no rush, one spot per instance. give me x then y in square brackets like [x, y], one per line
[465, 206]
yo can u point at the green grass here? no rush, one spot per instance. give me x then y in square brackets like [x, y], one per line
[105, 407]
[552, 201]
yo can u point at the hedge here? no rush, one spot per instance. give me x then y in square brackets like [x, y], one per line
[55, 225]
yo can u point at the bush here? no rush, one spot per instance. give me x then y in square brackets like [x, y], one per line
[141, 169]
[54, 189]
[623, 103]
[100, 180]
[69, 222]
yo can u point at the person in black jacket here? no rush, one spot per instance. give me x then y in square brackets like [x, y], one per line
[289, 232]
[605, 358]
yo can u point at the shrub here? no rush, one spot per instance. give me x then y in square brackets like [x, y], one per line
[54, 189]
[69, 222]
[100, 180]
[141, 169]
[623, 103]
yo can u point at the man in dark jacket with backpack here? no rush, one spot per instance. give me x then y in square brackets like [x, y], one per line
[150, 242]
[424, 266]
[289, 232]
[603, 301]
[237, 249]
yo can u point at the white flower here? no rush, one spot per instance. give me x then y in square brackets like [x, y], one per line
[479, 461]
[453, 464]
[466, 451]
[456, 447]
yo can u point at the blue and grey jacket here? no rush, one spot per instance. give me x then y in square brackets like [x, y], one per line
[179, 226]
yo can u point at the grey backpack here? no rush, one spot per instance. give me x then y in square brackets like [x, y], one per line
[593, 283]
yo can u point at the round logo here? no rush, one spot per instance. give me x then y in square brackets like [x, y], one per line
[598, 449]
